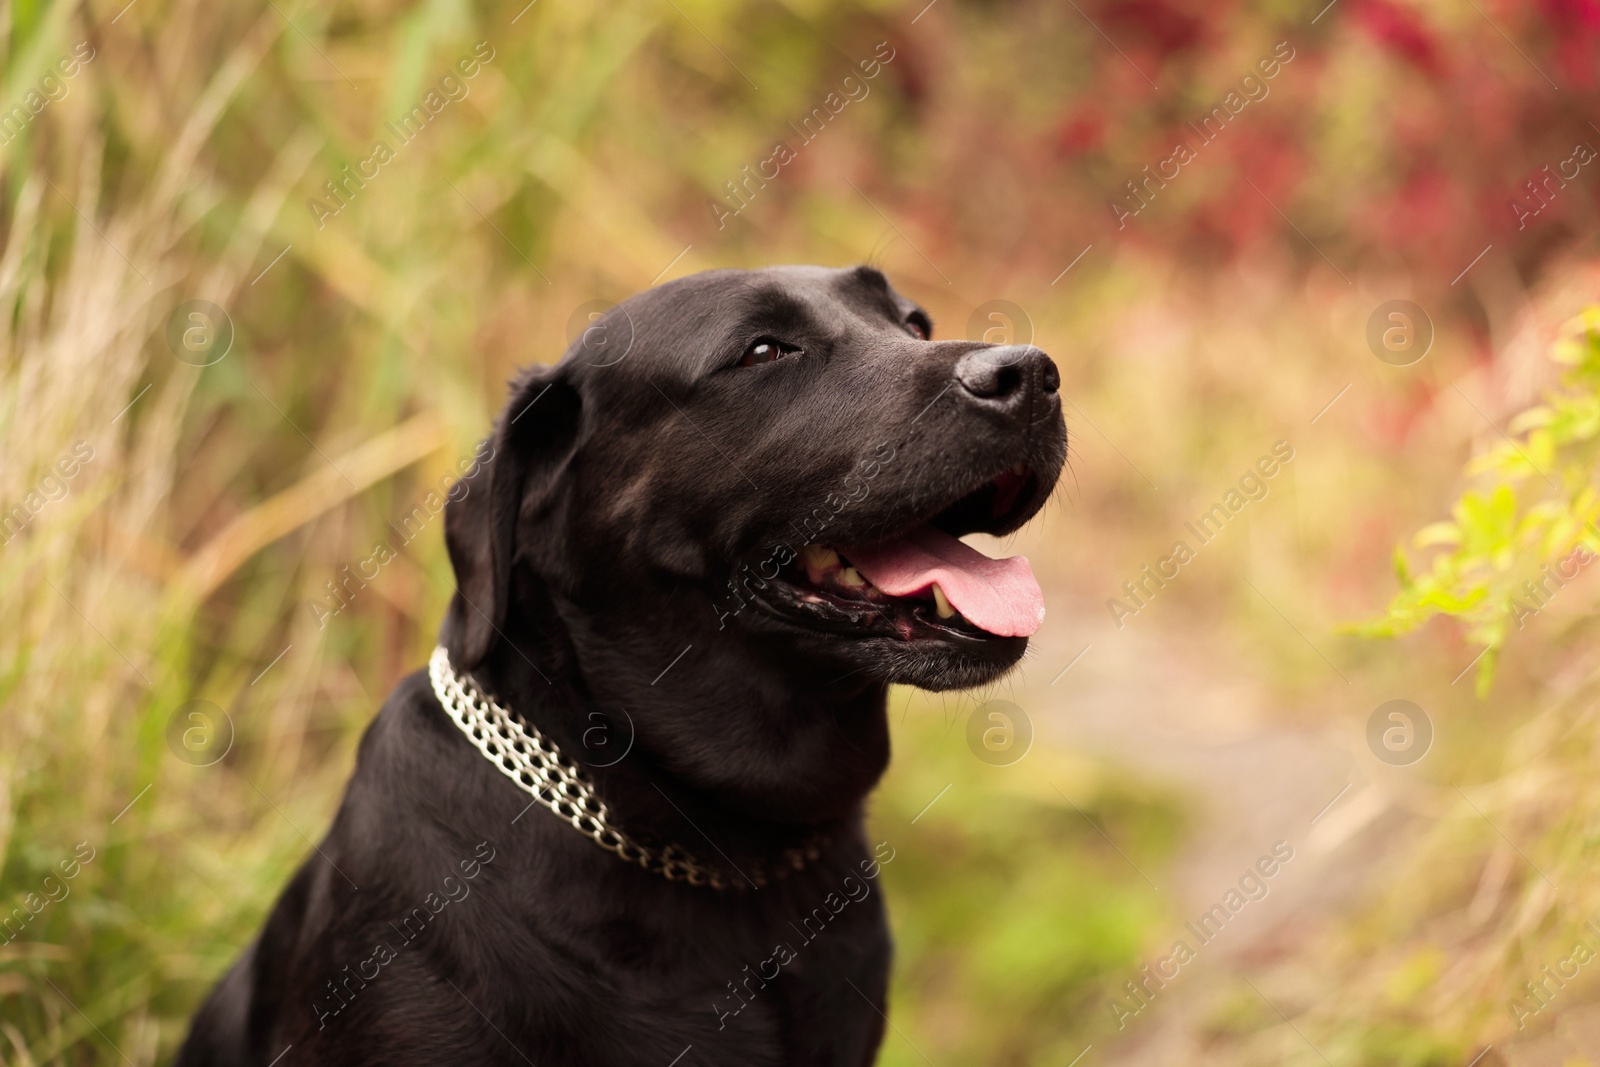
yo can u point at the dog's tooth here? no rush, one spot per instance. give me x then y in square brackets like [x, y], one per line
[941, 604]
[851, 578]
[818, 560]
[820, 556]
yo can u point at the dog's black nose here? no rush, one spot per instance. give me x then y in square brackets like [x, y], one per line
[1007, 374]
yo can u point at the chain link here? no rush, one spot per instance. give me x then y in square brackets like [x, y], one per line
[536, 765]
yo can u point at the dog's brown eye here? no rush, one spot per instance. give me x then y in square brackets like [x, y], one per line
[767, 349]
[918, 327]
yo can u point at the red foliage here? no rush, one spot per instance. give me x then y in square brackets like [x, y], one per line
[1402, 31]
[1411, 163]
[1576, 26]
[1084, 132]
[1572, 15]
[1156, 24]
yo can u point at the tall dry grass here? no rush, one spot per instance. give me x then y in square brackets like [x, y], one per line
[183, 560]
[136, 584]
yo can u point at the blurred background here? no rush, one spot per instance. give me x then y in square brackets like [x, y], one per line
[265, 269]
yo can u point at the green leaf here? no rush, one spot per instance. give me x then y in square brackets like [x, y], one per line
[1437, 533]
[1537, 501]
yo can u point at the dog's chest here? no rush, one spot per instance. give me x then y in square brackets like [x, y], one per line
[796, 978]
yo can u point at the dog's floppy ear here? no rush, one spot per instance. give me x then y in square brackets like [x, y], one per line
[517, 470]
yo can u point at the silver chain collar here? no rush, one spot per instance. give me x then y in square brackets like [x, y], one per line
[538, 768]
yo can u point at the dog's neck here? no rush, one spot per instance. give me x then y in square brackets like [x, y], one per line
[719, 727]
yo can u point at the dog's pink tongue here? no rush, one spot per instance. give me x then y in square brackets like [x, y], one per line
[997, 595]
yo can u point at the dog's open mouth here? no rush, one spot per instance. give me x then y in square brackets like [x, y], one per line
[926, 580]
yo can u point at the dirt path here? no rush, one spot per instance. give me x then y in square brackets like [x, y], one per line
[1135, 699]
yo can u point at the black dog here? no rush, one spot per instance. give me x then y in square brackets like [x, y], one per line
[696, 553]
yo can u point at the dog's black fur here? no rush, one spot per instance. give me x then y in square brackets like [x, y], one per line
[635, 501]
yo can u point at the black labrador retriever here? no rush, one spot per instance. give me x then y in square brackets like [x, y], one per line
[694, 555]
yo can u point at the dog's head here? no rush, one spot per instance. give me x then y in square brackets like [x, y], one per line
[782, 457]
